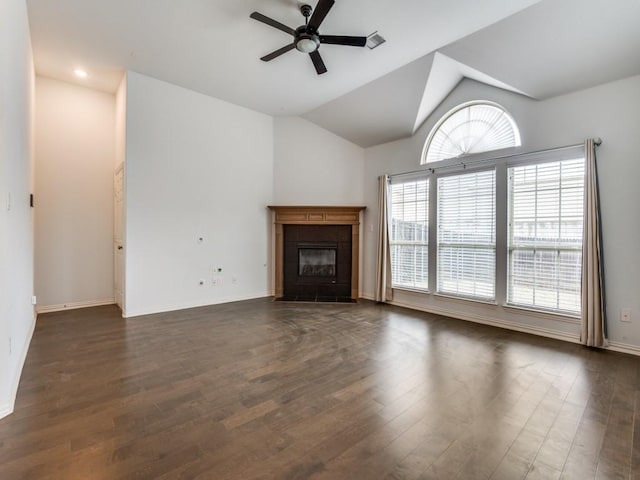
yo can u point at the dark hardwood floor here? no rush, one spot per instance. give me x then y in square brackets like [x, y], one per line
[275, 390]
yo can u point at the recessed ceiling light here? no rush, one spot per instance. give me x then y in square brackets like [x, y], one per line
[80, 73]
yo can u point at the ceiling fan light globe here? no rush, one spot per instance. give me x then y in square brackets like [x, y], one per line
[307, 44]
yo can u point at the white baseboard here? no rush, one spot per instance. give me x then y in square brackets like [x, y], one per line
[172, 308]
[518, 327]
[543, 332]
[624, 348]
[74, 305]
[7, 408]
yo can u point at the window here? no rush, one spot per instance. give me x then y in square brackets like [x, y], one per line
[467, 234]
[471, 128]
[409, 234]
[545, 235]
[504, 229]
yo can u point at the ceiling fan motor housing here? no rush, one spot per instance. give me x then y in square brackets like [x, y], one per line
[306, 40]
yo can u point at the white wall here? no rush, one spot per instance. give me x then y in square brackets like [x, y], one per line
[315, 167]
[16, 224]
[608, 111]
[75, 156]
[195, 167]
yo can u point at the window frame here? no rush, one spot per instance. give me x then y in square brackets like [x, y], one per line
[558, 249]
[402, 180]
[501, 164]
[449, 174]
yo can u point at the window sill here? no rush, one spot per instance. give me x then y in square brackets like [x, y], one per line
[466, 299]
[411, 290]
[447, 297]
[546, 314]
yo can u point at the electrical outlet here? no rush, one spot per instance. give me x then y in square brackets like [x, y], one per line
[34, 300]
[201, 282]
[214, 281]
[625, 315]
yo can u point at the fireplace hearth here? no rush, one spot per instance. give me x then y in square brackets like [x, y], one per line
[316, 253]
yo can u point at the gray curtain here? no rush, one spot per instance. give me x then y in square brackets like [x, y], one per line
[384, 292]
[593, 332]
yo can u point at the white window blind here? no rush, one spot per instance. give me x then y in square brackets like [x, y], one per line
[545, 235]
[479, 127]
[467, 235]
[409, 234]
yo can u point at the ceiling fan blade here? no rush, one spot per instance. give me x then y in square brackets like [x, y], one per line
[321, 10]
[317, 62]
[343, 40]
[273, 23]
[278, 52]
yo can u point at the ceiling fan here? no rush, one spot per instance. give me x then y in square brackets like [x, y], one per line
[307, 38]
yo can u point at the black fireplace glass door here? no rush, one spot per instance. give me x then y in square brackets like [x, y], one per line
[317, 262]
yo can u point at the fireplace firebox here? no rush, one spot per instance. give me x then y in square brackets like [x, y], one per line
[317, 260]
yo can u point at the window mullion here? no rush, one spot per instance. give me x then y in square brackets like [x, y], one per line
[433, 232]
[501, 219]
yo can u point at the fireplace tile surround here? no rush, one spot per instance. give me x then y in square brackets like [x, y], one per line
[317, 288]
[317, 243]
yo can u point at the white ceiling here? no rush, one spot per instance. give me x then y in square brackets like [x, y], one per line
[395, 105]
[367, 96]
[551, 48]
[558, 46]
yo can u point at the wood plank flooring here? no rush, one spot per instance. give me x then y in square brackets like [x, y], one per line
[262, 390]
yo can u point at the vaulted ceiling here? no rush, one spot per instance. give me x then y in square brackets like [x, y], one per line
[537, 48]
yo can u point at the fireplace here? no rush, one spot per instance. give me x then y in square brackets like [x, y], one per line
[316, 253]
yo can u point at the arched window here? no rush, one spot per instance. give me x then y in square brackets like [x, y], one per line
[471, 128]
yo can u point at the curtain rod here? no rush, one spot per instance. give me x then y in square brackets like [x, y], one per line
[597, 141]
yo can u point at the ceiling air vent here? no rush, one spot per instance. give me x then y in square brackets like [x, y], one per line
[375, 40]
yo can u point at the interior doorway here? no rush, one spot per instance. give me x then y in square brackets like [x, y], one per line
[118, 236]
